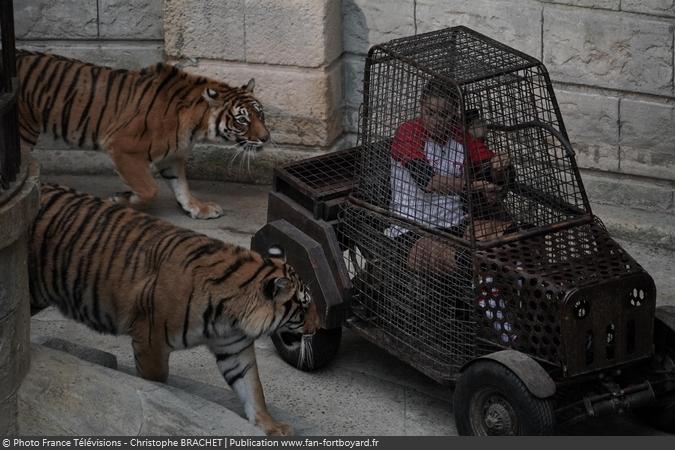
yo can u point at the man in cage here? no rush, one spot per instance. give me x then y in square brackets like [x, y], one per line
[428, 182]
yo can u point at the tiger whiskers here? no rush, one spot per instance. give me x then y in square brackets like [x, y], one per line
[249, 149]
[239, 152]
[306, 358]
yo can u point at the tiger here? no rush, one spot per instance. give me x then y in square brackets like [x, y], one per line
[123, 272]
[146, 120]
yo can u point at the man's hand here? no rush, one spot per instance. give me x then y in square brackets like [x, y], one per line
[445, 184]
[499, 164]
[489, 190]
[487, 229]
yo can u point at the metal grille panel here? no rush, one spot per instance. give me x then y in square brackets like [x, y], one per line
[428, 315]
[541, 281]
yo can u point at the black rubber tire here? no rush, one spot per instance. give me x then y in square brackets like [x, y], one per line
[488, 382]
[661, 417]
[324, 345]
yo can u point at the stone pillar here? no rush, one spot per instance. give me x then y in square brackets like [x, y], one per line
[18, 207]
[291, 47]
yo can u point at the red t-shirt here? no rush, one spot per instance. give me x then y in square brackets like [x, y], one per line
[409, 140]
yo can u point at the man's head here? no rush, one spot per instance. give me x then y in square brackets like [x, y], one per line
[440, 113]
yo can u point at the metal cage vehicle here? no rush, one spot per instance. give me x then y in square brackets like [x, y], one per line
[458, 236]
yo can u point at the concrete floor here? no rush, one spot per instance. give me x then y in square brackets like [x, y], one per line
[364, 391]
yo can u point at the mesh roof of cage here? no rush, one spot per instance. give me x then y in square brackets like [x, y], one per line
[475, 110]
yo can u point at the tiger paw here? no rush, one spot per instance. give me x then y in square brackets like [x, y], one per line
[204, 210]
[278, 429]
[121, 198]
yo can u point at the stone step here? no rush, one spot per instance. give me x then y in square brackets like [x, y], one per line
[651, 228]
[208, 162]
[65, 395]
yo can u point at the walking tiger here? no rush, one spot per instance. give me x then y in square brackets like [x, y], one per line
[147, 120]
[121, 271]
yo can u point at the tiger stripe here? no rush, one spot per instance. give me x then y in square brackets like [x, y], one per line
[145, 120]
[120, 271]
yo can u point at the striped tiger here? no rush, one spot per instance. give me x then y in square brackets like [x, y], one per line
[120, 271]
[147, 120]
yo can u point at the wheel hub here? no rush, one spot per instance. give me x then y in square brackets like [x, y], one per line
[498, 419]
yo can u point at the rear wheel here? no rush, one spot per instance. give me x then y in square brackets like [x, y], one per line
[319, 348]
[662, 415]
[490, 400]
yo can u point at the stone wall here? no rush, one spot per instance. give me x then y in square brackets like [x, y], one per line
[119, 33]
[611, 61]
[291, 47]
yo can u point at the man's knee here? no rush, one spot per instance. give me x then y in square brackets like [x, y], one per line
[432, 254]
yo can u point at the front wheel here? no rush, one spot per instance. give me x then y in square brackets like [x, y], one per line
[310, 351]
[490, 400]
[662, 415]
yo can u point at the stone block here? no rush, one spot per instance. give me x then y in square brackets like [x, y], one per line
[648, 139]
[23, 336]
[47, 19]
[205, 29]
[656, 7]
[601, 4]
[302, 106]
[130, 19]
[293, 32]
[127, 55]
[592, 123]
[216, 162]
[610, 189]
[63, 395]
[373, 22]
[10, 373]
[8, 418]
[351, 120]
[15, 320]
[18, 211]
[610, 50]
[90, 354]
[12, 257]
[72, 160]
[516, 23]
[354, 66]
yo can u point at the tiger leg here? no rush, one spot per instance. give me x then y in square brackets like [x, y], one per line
[152, 361]
[27, 137]
[174, 173]
[135, 172]
[240, 371]
[29, 128]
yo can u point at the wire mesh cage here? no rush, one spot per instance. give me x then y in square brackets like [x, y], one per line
[455, 125]
[466, 185]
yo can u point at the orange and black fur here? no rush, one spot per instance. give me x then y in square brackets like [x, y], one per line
[121, 271]
[147, 120]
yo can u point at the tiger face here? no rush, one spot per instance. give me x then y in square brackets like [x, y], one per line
[235, 116]
[295, 311]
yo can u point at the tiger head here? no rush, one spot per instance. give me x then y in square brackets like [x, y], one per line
[295, 310]
[271, 297]
[235, 115]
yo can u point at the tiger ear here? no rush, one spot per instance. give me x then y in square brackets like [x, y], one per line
[249, 86]
[209, 95]
[277, 288]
